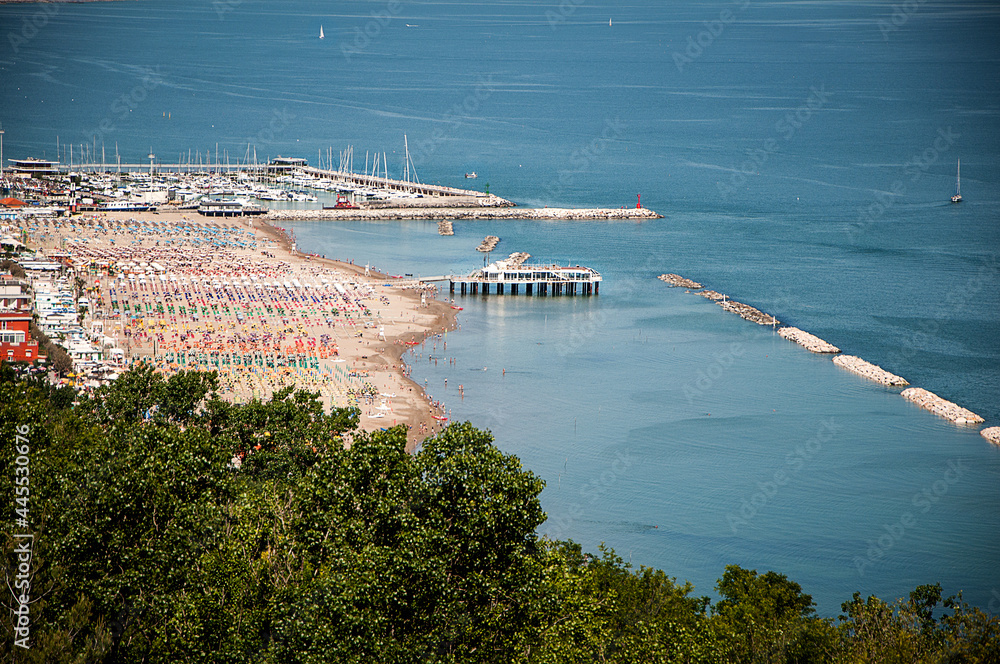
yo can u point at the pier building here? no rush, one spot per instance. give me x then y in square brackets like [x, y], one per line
[511, 275]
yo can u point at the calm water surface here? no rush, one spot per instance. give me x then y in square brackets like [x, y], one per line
[803, 157]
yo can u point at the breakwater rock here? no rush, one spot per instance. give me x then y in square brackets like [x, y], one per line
[747, 312]
[472, 213]
[808, 341]
[869, 370]
[679, 281]
[712, 295]
[938, 406]
[488, 244]
[991, 434]
[445, 228]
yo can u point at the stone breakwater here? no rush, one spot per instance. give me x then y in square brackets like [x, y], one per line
[748, 313]
[484, 213]
[938, 406]
[869, 370]
[445, 228]
[808, 341]
[488, 244]
[677, 280]
[925, 399]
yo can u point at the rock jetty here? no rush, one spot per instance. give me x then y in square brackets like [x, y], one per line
[869, 370]
[938, 406]
[991, 434]
[712, 295]
[488, 244]
[808, 341]
[452, 213]
[676, 280]
[747, 312]
[445, 228]
[516, 259]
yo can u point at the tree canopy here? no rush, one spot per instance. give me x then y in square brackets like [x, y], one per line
[171, 525]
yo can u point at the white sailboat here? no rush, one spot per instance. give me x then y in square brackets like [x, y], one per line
[957, 198]
[321, 32]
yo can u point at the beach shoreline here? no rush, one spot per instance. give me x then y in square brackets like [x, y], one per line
[392, 317]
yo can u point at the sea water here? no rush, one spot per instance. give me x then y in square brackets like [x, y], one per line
[803, 156]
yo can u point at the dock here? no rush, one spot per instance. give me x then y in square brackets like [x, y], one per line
[512, 275]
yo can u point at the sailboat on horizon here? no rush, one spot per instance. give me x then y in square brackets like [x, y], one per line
[957, 198]
[321, 36]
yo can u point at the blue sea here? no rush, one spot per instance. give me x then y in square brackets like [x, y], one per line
[802, 154]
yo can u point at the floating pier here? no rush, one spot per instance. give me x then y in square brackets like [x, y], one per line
[991, 434]
[869, 370]
[946, 409]
[808, 341]
[513, 276]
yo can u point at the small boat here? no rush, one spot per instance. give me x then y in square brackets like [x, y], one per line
[472, 175]
[440, 418]
[321, 32]
[957, 198]
[456, 308]
[376, 416]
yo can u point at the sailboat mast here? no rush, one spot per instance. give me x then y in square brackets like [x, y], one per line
[960, 177]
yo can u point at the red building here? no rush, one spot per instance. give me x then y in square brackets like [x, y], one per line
[16, 344]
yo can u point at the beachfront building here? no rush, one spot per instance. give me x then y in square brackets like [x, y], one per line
[16, 344]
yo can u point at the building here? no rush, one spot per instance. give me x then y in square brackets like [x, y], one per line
[27, 168]
[16, 344]
[285, 165]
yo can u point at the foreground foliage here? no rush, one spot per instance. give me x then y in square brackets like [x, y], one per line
[173, 526]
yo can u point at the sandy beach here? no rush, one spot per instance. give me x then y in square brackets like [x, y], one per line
[182, 291]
